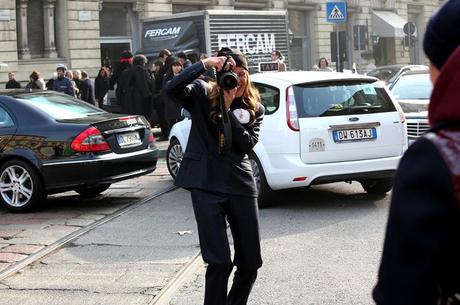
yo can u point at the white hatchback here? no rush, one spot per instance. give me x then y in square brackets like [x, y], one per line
[319, 127]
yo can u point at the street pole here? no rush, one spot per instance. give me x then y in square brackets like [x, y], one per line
[338, 47]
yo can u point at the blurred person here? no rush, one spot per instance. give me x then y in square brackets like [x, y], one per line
[77, 78]
[126, 60]
[184, 61]
[158, 102]
[12, 83]
[136, 88]
[162, 57]
[36, 82]
[69, 75]
[101, 86]
[420, 261]
[62, 83]
[87, 89]
[323, 65]
[217, 172]
[49, 83]
[279, 58]
[172, 107]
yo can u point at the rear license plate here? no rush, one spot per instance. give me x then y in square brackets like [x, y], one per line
[352, 135]
[129, 139]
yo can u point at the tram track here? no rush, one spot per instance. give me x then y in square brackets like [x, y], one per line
[62, 242]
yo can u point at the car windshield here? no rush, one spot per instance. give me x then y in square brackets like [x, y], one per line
[60, 106]
[412, 87]
[384, 73]
[341, 98]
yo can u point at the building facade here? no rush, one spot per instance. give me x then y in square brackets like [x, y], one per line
[85, 34]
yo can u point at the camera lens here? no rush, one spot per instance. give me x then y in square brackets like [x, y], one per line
[228, 80]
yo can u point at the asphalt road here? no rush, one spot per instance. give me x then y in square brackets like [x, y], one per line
[320, 246]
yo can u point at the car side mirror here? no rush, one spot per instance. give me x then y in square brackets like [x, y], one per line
[185, 114]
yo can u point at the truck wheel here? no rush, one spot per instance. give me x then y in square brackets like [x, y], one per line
[377, 186]
[21, 188]
[266, 196]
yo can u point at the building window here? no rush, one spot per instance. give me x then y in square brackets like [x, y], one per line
[35, 34]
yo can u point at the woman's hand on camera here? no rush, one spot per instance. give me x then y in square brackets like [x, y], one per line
[218, 62]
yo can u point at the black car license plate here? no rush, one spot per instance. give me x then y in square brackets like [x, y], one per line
[129, 139]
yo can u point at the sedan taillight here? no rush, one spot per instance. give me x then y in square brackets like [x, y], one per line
[90, 140]
[151, 138]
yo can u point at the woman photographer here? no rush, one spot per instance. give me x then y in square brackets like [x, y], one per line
[220, 176]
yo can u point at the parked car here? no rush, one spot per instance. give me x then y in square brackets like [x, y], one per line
[319, 127]
[51, 142]
[412, 90]
[390, 73]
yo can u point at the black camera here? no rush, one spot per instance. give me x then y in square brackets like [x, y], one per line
[227, 80]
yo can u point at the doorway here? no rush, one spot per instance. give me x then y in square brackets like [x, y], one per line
[111, 51]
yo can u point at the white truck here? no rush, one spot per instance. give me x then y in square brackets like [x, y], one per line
[255, 33]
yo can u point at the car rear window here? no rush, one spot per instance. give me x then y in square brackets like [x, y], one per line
[60, 106]
[341, 98]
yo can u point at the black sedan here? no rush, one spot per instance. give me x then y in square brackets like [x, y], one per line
[51, 143]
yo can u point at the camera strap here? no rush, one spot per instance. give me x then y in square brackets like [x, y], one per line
[225, 128]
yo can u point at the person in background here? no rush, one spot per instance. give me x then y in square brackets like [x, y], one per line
[36, 82]
[77, 78]
[12, 83]
[87, 89]
[158, 102]
[101, 85]
[323, 65]
[172, 107]
[420, 262]
[184, 61]
[62, 83]
[136, 88]
[126, 60]
[49, 83]
[279, 58]
[69, 75]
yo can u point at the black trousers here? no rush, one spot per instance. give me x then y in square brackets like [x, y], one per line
[211, 209]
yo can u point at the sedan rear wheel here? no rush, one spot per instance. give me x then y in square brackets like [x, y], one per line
[20, 186]
[174, 157]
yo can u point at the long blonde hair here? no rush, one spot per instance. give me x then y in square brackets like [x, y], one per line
[250, 100]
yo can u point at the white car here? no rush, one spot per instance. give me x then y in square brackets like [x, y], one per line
[412, 90]
[319, 127]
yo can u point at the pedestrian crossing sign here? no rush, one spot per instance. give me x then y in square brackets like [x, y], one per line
[336, 12]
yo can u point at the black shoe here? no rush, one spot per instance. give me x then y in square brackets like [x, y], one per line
[163, 138]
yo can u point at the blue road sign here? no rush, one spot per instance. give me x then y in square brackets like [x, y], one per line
[336, 12]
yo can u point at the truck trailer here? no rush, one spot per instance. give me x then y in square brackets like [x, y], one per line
[255, 33]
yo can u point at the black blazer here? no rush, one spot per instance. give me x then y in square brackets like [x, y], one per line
[202, 167]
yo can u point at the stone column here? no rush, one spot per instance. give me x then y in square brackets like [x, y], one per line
[48, 23]
[23, 40]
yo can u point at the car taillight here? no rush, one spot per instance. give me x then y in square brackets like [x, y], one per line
[90, 140]
[291, 110]
[151, 138]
